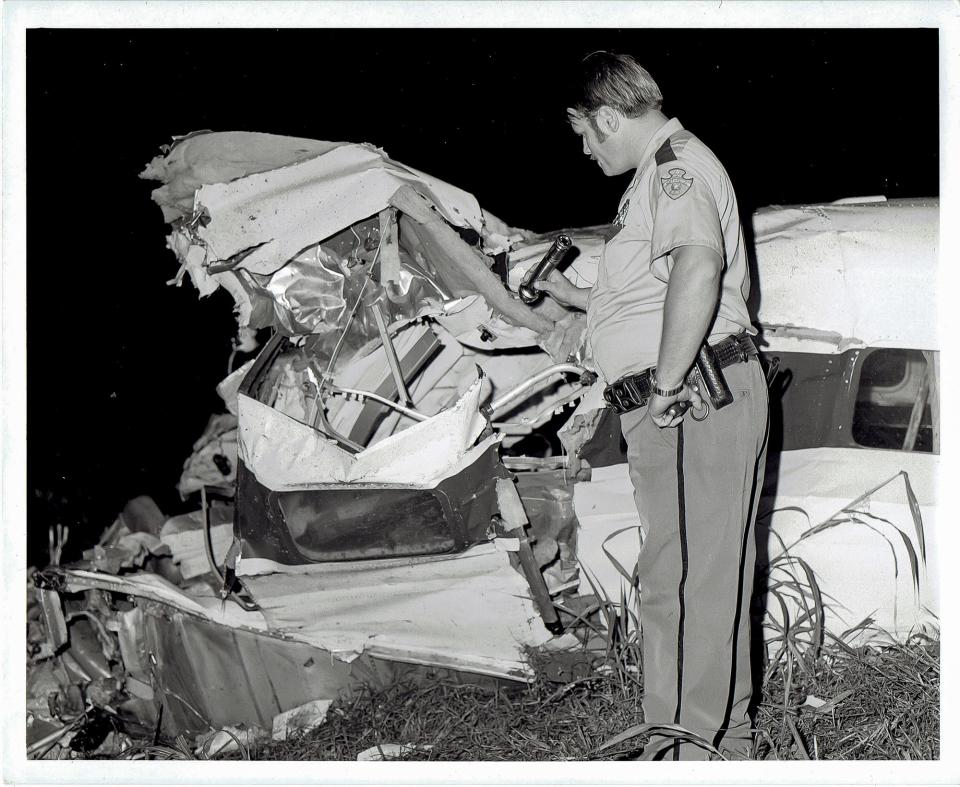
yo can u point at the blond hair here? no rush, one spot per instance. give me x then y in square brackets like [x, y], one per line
[616, 81]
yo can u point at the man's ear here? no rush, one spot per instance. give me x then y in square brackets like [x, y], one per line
[608, 120]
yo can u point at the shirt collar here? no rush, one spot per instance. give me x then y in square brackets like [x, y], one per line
[670, 127]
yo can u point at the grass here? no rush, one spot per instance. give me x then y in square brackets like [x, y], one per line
[877, 703]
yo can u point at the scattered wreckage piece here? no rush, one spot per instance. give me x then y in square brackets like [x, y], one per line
[189, 665]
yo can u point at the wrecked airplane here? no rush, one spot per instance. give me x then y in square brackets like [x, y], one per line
[416, 472]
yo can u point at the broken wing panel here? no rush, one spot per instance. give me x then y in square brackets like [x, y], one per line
[219, 157]
[281, 212]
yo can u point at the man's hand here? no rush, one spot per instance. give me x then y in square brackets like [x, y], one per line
[658, 405]
[560, 288]
[566, 338]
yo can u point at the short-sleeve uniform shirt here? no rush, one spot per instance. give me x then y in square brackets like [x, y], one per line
[680, 195]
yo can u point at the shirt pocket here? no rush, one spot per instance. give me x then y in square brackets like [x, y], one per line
[625, 260]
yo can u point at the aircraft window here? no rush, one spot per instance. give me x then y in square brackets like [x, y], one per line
[898, 401]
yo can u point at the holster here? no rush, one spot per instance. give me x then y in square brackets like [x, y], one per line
[711, 377]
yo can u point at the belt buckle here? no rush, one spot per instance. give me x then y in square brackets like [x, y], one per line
[633, 391]
[614, 396]
[624, 394]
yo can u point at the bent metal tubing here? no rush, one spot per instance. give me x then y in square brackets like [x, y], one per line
[415, 415]
[490, 409]
[526, 385]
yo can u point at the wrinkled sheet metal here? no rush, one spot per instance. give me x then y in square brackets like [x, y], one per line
[209, 676]
[470, 611]
[309, 292]
[196, 599]
[291, 228]
[272, 197]
[837, 276]
[204, 157]
[283, 191]
[280, 212]
[285, 454]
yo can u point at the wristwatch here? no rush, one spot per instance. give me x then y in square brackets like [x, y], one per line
[665, 392]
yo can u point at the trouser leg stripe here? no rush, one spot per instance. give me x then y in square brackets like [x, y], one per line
[734, 643]
[682, 523]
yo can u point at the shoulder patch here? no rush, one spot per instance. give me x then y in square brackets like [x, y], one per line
[665, 153]
[677, 183]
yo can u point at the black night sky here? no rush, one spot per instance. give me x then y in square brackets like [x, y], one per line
[122, 368]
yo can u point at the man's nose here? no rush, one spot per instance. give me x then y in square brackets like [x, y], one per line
[586, 149]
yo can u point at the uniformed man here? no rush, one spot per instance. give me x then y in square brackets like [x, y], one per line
[675, 275]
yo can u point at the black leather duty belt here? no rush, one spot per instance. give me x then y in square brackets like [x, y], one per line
[633, 390]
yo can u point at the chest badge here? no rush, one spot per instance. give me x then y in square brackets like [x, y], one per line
[621, 218]
[677, 184]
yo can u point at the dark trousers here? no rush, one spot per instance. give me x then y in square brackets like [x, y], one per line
[697, 487]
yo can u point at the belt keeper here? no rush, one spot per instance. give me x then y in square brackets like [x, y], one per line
[741, 350]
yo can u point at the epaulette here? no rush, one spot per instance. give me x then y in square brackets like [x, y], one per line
[671, 146]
